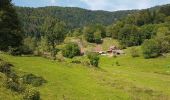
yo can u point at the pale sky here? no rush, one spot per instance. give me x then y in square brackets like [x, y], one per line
[109, 5]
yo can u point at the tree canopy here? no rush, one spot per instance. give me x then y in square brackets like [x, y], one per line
[10, 28]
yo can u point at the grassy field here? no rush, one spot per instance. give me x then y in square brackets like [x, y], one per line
[120, 78]
[107, 42]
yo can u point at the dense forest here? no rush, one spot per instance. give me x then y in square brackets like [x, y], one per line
[135, 28]
[33, 18]
[149, 27]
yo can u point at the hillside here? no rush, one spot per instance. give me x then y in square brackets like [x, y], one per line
[133, 78]
[33, 18]
[69, 53]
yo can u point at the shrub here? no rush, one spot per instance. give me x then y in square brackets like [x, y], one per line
[85, 63]
[98, 37]
[13, 76]
[14, 85]
[15, 51]
[20, 50]
[71, 50]
[117, 63]
[76, 62]
[94, 59]
[60, 58]
[25, 50]
[34, 80]
[122, 46]
[31, 94]
[134, 52]
[5, 67]
[150, 48]
[164, 44]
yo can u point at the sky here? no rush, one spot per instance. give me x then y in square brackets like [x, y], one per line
[108, 5]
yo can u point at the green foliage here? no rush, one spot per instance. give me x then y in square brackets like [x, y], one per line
[134, 52]
[55, 32]
[10, 29]
[164, 43]
[130, 35]
[32, 79]
[33, 18]
[76, 62]
[15, 51]
[88, 33]
[71, 50]
[114, 29]
[31, 94]
[167, 19]
[148, 31]
[11, 82]
[98, 37]
[14, 85]
[144, 17]
[5, 67]
[77, 32]
[43, 45]
[165, 10]
[94, 59]
[29, 45]
[145, 24]
[94, 33]
[150, 48]
[163, 31]
[24, 49]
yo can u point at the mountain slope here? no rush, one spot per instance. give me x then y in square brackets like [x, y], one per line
[32, 18]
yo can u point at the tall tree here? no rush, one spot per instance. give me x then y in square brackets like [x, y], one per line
[10, 29]
[55, 31]
[130, 35]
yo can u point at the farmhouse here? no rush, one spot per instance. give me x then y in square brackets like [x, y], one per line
[113, 50]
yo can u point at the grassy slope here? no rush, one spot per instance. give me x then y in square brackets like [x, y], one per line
[107, 42]
[6, 94]
[135, 78]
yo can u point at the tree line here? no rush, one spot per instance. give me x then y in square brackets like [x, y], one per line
[33, 18]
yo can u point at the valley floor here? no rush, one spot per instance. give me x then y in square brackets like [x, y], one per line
[120, 78]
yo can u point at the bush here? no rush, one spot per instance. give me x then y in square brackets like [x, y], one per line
[98, 37]
[5, 67]
[14, 85]
[15, 51]
[31, 94]
[76, 62]
[164, 44]
[85, 63]
[20, 50]
[71, 50]
[25, 50]
[134, 52]
[150, 48]
[34, 80]
[94, 59]
[60, 58]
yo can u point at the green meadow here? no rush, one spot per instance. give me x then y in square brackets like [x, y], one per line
[117, 78]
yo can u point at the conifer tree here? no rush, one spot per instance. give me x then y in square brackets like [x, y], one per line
[10, 29]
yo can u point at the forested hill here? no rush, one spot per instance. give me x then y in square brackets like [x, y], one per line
[32, 18]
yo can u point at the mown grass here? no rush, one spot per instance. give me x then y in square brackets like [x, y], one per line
[133, 79]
